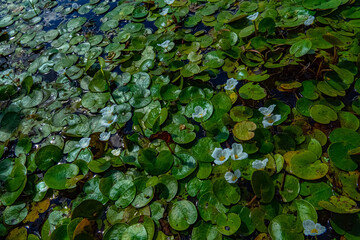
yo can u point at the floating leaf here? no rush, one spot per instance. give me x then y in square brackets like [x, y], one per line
[263, 186]
[340, 204]
[252, 91]
[228, 224]
[182, 215]
[244, 130]
[155, 163]
[323, 114]
[301, 47]
[304, 164]
[286, 226]
[61, 176]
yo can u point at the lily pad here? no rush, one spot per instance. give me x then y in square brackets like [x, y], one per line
[62, 176]
[182, 215]
[263, 186]
[286, 226]
[304, 164]
[154, 163]
[340, 157]
[323, 114]
[340, 204]
[244, 130]
[228, 224]
[204, 103]
[252, 91]
[47, 156]
[184, 165]
[301, 47]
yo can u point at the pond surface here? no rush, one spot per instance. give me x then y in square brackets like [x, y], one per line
[179, 119]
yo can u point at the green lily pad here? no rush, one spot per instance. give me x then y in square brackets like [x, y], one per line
[227, 193]
[214, 59]
[346, 225]
[316, 192]
[323, 114]
[241, 113]
[349, 182]
[286, 226]
[209, 207]
[184, 165]
[76, 22]
[207, 230]
[61, 176]
[91, 209]
[301, 47]
[346, 136]
[340, 157]
[47, 156]
[304, 164]
[154, 163]
[135, 232]
[263, 186]
[289, 186]
[349, 120]
[190, 70]
[14, 214]
[115, 232]
[322, 4]
[228, 224]
[167, 187]
[147, 222]
[182, 215]
[204, 148]
[252, 91]
[244, 130]
[204, 103]
[144, 194]
[247, 226]
[189, 93]
[305, 210]
[123, 193]
[340, 204]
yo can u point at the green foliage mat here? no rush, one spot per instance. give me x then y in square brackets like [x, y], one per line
[168, 119]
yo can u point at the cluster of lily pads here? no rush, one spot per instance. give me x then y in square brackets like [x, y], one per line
[214, 119]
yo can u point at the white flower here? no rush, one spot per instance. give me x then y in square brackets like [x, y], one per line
[237, 152]
[106, 121]
[231, 84]
[164, 11]
[309, 21]
[232, 177]
[169, 1]
[221, 155]
[107, 111]
[269, 121]
[253, 17]
[267, 111]
[104, 136]
[260, 164]
[199, 112]
[84, 142]
[312, 229]
[163, 24]
[116, 152]
[165, 44]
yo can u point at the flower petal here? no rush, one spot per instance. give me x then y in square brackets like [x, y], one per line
[266, 111]
[216, 153]
[104, 136]
[308, 225]
[237, 173]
